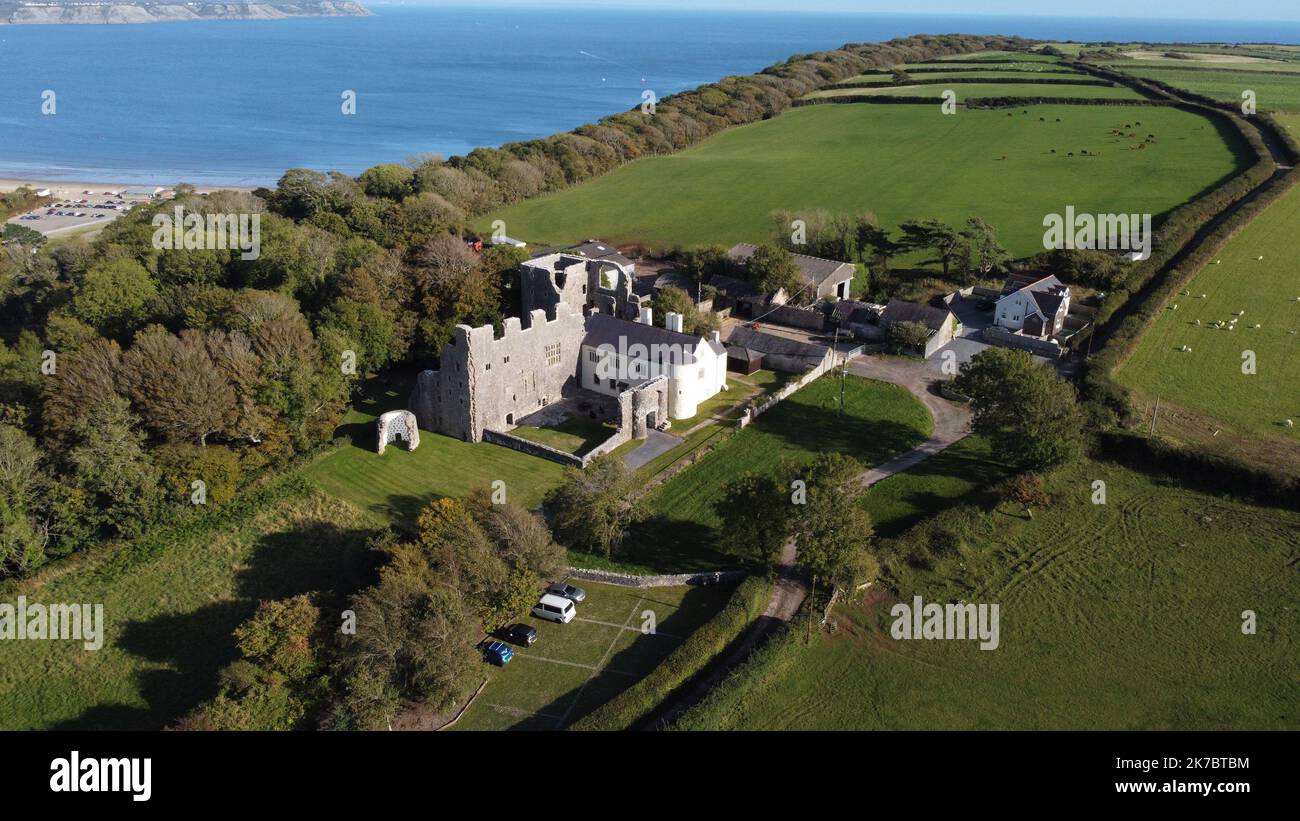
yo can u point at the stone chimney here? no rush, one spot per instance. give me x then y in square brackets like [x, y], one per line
[673, 321]
[717, 336]
[647, 316]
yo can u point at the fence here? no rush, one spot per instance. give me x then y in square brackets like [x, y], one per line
[660, 580]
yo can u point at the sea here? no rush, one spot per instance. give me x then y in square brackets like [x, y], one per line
[238, 102]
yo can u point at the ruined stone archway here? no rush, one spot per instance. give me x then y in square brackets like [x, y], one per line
[397, 426]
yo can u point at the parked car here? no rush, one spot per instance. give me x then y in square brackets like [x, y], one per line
[555, 608]
[521, 634]
[567, 591]
[499, 653]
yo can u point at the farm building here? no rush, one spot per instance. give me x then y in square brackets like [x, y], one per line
[824, 278]
[743, 298]
[941, 322]
[779, 353]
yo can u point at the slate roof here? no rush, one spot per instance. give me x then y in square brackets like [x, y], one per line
[595, 249]
[815, 270]
[1036, 282]
[851, 311]
[744, 337]
[603, 329]
[899, 311]
[732, 287]
[1049, 302]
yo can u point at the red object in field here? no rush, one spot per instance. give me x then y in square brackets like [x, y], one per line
[476, 245]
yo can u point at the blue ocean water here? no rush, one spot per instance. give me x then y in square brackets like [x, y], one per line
[237, 102]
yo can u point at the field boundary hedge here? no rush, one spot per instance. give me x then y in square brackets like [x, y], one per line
[629, 707]
[1184, 245]
[1201, 470]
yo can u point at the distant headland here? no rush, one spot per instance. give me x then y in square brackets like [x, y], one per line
[90, 12]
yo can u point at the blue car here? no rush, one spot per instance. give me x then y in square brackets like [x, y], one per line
[499, 653]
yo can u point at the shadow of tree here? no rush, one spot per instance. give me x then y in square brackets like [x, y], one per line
[318, 557]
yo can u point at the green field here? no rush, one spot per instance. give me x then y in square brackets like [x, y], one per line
[1126, 615]
[898, 161]
[394, 487]
[576, 667]
[1025, 72]
[1216, 64]
[977, 91]
[902, 500]
[169, 618]
[1273, 92]
[879, 421]
[1209, 377]
[1023, 56]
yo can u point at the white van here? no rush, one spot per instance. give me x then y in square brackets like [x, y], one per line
[555, 608]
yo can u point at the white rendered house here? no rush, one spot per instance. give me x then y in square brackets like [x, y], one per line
[617, 355]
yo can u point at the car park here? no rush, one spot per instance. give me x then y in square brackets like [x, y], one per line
[568, 591]
[555, 608]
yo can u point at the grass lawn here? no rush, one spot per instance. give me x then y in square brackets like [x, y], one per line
[576, 434]
[1273, 92]
[1209, 378]
[1118, 616]
[904, 499]
[898, 161]
[395, 486]
[880, 420]
[574, 668]
[168, 618]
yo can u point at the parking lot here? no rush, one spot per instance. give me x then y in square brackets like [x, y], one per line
[76, 209]
[574, 668]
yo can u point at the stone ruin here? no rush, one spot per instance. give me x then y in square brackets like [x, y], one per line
[398, 426]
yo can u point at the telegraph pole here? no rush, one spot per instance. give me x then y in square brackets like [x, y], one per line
[835, 355]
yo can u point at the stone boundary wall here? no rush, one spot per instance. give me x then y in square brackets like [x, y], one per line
[663, 580]
[754, 411]
[497, 437]
[1041, 347]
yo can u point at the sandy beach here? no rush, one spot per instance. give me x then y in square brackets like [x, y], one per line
[83, 208]
[69, 187]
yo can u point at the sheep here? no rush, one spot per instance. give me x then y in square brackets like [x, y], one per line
[1258, 258]
[1186, 349]
[1289, 423]
[1197, 323]
[1257, 325]
[1174, 306]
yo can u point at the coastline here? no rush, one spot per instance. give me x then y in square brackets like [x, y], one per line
[77, 186]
